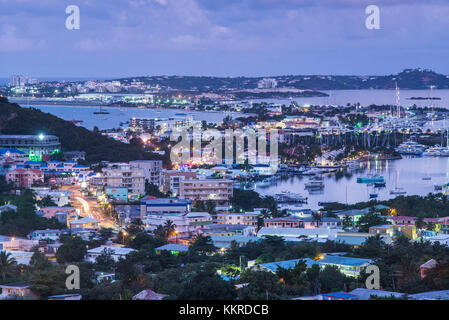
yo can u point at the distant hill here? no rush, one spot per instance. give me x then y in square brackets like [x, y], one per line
[407, 79]
[17, 120]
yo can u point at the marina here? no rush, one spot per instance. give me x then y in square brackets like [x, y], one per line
[343, 187]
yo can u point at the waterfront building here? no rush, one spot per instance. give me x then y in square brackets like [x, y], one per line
[218, 190]
[35, 146]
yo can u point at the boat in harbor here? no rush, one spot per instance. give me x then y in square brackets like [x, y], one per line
[437, 151]
[427, 178]
[101, 111]
[289, 197]
[398, 191]
[411, 148]
[371, 179]
[379, 184]
[314, 185]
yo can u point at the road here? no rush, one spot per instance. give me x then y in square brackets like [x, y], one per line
[89, 207]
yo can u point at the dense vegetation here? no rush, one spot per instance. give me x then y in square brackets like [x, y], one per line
[430, 206]
[17, 120]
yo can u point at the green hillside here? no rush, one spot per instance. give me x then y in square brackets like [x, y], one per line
[17, 120]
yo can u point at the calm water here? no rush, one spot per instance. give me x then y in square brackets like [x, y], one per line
[367, 97]
[342, 187]
[117, 115]
[338, 97]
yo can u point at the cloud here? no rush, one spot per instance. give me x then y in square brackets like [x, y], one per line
[10, 42]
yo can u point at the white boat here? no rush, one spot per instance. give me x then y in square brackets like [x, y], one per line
[314, 185]
[437, 151]
[289, 197]
[398, 191]
[411, 148]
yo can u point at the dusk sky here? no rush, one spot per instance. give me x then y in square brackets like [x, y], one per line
[221, 37]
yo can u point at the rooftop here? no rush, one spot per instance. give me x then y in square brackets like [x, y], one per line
[174, 247]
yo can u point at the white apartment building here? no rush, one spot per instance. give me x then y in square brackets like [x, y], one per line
[185, 224]
[218, 190]
[152, 170]
[124, 175]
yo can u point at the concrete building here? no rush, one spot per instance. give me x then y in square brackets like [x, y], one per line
[218, 190]
[34, 145]
[173, 178]
[25, 178]
[395, 230]
[151, 205]
[116, 253]
[295, 234]
[85, 223]
[186, 225]
[152, 170]
[123, 175]
[47, 234]
[247, 218]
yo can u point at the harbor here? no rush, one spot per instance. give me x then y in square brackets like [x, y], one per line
[410, 175]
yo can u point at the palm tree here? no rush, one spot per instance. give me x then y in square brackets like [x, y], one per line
[265, 214]
[169, 228]
[316, 217]
[6, 262]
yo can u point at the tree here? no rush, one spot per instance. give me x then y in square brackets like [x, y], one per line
[73, 249]
[419, 222]
[202, 244]
[153, 190]
[347, 223]
[104, 261]
[143, 240]
[369, 220]
[39, 261]
[135, 227]
[49, 282]
[6, 263]
[313, 276]
[316, 217]
[210, 206]
[262, 285]
[206, 284]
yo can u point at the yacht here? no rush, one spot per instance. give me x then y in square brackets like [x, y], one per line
[411, 148]
[398, 191]
[289, 197]
[437, 151]
[314, 185]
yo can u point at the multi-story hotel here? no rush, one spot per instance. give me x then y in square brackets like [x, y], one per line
[152, 170]
[34, 146]
[123, 175]
[218, 190]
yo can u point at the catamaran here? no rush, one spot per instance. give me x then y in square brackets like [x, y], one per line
[371, 179]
